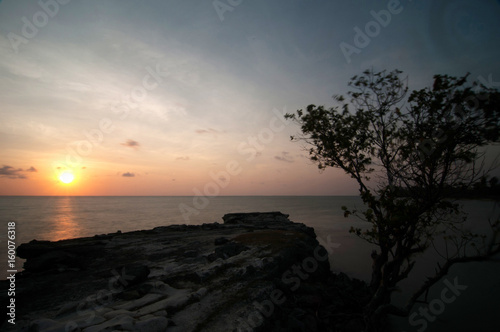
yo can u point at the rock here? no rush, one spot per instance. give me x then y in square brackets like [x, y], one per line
[131, 274]
[130, 295]
[63, 256]
[122, 322]
[157, 287]
[67, 308]
[353, 325]
[83, 246]
[191, 253]
[47, 325]
[161, 313]
[115, 313]
[81, 319]
[146, 299]
[257, 218]
[146, 317]
[220, 240]
[153, 324]
[34, 248]
[153, 279]
[309, 301]
[201, 292]
[295, 323]
[229, 250]
[173, 302]
[211, 226]
[51, 260]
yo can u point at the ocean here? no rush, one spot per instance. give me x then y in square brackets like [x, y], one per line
[57, 218]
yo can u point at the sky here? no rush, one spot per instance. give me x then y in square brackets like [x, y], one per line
[187, 97]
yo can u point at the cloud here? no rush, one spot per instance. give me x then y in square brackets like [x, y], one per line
[10, 172]
[128, 175]
[182, 158]
[131, 144]
[208, 131]
[285, 156]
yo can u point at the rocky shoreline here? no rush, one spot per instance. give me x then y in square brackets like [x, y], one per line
[254, 272]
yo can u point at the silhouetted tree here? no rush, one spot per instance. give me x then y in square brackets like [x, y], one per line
[403, 153]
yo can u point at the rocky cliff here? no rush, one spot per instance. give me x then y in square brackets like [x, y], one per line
[255, 272]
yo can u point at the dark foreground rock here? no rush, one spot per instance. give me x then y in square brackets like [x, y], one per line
[255, 272]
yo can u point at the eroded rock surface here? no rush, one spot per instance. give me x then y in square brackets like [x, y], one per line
[255, 272]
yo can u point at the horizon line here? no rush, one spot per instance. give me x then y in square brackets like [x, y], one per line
[178, 196]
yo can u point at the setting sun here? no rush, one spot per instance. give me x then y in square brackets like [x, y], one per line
[66, 177]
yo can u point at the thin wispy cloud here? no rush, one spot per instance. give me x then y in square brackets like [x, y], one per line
[130, 143]
[182, 158]
[285, 156]
[208, 131]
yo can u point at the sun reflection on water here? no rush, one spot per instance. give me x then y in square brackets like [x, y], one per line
[65, 223]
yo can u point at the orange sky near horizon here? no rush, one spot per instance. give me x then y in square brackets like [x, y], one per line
[87, 182]
[245, 173]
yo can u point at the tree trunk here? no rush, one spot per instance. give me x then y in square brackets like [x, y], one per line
[381, 286]
[372, 319]
[378, 263]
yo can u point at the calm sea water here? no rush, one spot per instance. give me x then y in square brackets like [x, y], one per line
[56, 218]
